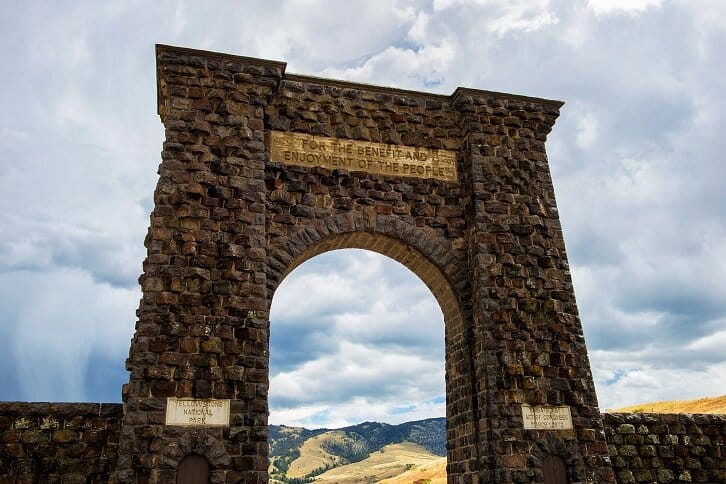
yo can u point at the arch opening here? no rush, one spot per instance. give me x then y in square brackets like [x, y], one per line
[401, 252]
[412, 263]
[444, 270]
[355, 329]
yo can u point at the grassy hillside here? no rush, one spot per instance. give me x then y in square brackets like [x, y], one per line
[701, 405]
[285, 443]
[388, 462]
[430, 473]
[298, 455]
[314, 459]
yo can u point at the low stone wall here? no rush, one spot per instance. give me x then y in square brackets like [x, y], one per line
[651, 447]
[77, 443]
[58, 442]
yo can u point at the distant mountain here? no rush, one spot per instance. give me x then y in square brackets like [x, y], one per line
[298, 455]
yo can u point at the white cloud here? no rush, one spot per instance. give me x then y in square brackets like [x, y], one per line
[622, 6]
[712, 342]
[355, 411]
[627, 382]
[358, 294]
[365, 331]
[586, 131]
[357, 370]
[505, 16]
[422, 67]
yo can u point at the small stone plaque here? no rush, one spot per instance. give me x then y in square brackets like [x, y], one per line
[191, 412]
[354, 155]
[546, 417]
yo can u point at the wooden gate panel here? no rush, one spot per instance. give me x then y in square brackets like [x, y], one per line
[554, 470]
[193, 469]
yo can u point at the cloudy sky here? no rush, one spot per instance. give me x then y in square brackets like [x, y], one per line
[637, 158]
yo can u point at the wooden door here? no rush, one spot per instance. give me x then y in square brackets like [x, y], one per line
[193, 469]
[554, 470]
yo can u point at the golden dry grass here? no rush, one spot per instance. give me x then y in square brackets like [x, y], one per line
[389, 462]
[700, 405]
[313, 456]
[433, 473]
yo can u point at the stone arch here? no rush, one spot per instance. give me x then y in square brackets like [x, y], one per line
[432, 260]
[231, 220]
[439, 266]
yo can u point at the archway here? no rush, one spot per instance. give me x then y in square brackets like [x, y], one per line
[355, 337]
[459, 402]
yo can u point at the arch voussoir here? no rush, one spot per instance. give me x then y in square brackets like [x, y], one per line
[413, 247]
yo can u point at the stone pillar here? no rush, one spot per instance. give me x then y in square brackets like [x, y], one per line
[528, 341]
[202, 327]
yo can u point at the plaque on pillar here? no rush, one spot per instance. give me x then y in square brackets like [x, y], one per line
[546, 417]
[197, 412]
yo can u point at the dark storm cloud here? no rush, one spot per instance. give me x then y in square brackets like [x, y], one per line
[104, 377]
[298, 342]
[10, 388]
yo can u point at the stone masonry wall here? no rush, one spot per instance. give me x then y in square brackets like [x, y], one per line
[648, 447]
[58, 442]
[77, 443]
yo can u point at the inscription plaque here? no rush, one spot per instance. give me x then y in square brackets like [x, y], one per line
[546, 417]
[380, 158]
[197, 412]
